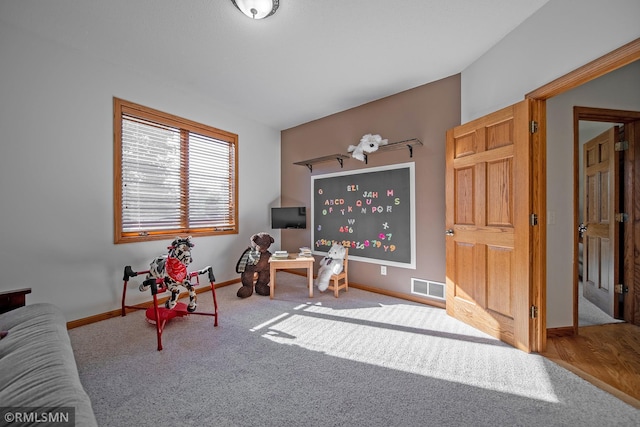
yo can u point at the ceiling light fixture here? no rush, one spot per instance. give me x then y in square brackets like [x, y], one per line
[257, 9]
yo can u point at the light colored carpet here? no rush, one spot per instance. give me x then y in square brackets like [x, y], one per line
[589, 314]
[360, 360]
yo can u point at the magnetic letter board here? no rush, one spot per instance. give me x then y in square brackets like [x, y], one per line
[370, 210]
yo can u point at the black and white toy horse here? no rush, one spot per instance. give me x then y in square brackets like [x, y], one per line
[172, 270]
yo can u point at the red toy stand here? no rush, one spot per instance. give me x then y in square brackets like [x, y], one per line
[157, 311]
[165, 314]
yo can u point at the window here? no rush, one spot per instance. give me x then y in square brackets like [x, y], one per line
[172, 176]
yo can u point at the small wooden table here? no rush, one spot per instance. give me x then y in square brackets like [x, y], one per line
[10, 300]
[290, 261]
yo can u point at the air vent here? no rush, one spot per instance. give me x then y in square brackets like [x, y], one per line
[427, 288]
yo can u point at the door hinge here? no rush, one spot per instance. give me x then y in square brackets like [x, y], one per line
[622, 217]
[621, 289]
[534, 312]
[533, 219]
[622, 146]
[534, 126]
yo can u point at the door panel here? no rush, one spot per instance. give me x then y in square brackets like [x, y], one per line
[487, 208]
[600, 201]
[499, 279]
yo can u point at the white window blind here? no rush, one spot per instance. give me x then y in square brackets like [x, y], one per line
[210, 182]
[151, 177]
[174, 179]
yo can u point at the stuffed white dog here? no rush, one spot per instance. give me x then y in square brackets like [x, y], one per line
[332, 263]
[368, 144]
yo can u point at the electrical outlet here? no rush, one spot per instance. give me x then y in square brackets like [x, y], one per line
[383, 270]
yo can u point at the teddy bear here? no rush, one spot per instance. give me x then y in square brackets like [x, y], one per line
[332, 263]
[255, 259]
[368, 144]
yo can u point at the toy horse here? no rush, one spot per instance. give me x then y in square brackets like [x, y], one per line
[172, 270]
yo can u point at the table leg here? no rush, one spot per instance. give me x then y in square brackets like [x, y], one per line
[272, 285]
[310, 276]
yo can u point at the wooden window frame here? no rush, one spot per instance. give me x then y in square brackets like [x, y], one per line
[122, 107]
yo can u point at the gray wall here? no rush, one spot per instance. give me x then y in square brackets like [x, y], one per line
[56, 173]
[560, 37]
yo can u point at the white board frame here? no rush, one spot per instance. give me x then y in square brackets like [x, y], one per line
[412, 213]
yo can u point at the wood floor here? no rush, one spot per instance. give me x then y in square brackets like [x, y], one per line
[608, 356]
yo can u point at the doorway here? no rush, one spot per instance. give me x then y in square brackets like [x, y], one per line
[592, 125]
[596, 297]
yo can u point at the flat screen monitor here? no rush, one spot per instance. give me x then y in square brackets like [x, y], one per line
[294, 217]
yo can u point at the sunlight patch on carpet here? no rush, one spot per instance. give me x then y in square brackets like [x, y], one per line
[414, 339]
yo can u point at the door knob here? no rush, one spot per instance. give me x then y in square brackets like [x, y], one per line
[582, 228]
[449, 232]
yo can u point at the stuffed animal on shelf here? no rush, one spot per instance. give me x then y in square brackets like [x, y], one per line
[332, 263]
[368, 144]
[172, 269]
[255, 259]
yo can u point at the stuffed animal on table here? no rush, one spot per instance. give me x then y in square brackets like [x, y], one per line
[332, 263]
[172, 270]
[255, 259]
[368, 144]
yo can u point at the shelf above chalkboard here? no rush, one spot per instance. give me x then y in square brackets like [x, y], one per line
[309, 163]
[407, 143]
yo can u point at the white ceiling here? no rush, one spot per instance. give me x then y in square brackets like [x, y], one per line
[311, 59]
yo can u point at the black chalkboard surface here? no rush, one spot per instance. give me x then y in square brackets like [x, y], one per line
[370, 210]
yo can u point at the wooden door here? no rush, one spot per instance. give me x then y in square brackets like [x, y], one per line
[488, 244]
[600, 202]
